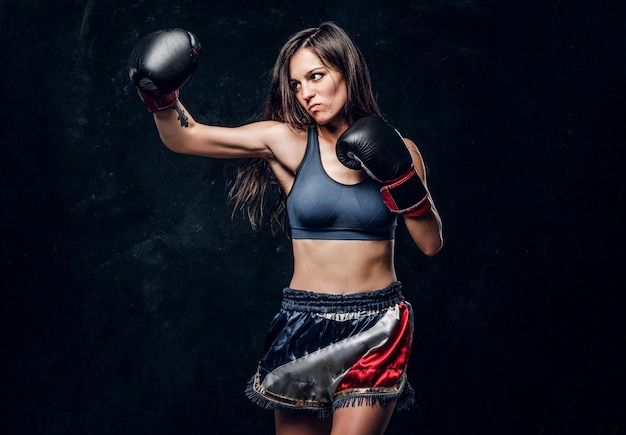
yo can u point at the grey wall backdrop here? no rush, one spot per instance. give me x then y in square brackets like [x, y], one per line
[132, 303]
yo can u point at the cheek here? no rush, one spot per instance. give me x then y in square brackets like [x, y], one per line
[340, 95]
[344, 94]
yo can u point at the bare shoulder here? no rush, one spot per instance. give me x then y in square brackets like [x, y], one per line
[277, 132]
[286, 144]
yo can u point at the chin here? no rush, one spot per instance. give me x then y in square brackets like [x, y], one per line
[325, 120]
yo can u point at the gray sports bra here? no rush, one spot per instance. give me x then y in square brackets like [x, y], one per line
[322, 208]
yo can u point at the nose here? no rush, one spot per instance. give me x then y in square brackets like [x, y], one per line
[307, 91]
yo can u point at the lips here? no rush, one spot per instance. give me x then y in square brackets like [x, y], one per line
[314, 106]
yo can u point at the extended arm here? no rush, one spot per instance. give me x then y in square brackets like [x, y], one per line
[160, 64]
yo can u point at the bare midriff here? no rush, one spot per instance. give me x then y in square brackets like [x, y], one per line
[342, 266]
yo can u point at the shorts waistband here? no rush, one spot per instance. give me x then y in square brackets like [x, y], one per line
[312, 302]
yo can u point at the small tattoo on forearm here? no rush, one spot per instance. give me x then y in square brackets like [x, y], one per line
[184, 121]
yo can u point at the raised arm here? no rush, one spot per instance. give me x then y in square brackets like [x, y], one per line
[251, 140]
[426, 230]
[160, 64]
[374, 145]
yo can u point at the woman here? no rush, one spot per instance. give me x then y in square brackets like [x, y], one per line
[336, 354]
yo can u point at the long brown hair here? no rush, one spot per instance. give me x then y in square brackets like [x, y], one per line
[255, 191]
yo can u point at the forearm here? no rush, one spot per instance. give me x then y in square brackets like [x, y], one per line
[426, 231]
[159, 65]
[175, 127]
[198, 139]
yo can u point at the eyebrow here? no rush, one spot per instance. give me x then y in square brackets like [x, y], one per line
[308, 73]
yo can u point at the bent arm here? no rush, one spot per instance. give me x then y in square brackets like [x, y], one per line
[192, 137]
[426, 231]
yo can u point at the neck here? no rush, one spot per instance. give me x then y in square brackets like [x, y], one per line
[332, 131]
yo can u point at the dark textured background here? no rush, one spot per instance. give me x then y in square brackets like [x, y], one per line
[132, 303]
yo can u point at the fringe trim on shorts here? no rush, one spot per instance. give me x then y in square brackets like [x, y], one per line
[271, 405]
[405, 399]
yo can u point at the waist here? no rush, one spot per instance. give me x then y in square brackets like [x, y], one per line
[342, 266]
[313, 302]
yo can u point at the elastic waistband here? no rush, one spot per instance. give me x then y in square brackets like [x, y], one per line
[312, 302]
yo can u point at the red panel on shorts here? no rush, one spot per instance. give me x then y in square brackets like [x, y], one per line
[383, 366]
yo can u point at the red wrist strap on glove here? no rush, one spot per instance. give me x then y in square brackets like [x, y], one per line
[155, 101]
[407, 195]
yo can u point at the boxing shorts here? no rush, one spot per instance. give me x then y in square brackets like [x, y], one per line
[326, 351]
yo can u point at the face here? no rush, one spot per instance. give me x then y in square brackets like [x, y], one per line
[319, 90]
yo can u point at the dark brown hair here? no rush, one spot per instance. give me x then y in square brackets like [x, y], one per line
[255, 191]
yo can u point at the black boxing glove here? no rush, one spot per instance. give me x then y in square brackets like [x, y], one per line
[375, 146]
[161, 63]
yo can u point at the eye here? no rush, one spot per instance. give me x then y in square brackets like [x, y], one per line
[295, 86]
[317, 76]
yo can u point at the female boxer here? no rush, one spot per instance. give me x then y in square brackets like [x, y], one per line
[337, 351]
